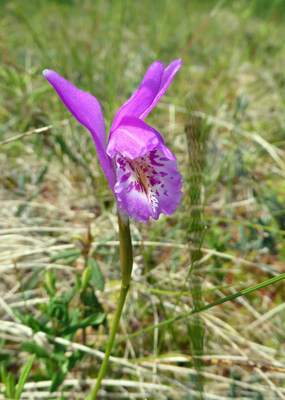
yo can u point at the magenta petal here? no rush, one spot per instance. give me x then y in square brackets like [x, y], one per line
[86, 109]
[153, 86]
[142, 99]
[148, 186]
[134, 138]
[83, 106]
[167, 77]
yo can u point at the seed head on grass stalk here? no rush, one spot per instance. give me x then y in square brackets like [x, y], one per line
[141, 171]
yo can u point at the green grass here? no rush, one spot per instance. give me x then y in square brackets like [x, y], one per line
[223, 118]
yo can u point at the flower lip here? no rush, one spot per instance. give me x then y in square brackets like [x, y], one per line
[148, 186]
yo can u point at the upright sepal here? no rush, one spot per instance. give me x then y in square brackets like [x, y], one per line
[86, 109]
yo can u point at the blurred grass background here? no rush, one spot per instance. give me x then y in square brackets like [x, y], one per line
[223, 118]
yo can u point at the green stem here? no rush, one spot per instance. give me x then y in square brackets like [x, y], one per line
[122, 298]
[126, 257]
[126, 252]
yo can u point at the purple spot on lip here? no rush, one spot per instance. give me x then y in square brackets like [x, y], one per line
[163, 159]
[152, 157]
[130, 187]
[125, 177]
[122, 164]
[165, 193]
[163, 173]
[156, 163]
[157, 193]
[121, 161]
[137, 186]
[154, 181]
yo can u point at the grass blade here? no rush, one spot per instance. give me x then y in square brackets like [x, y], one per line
[204, 308]
[24, 376]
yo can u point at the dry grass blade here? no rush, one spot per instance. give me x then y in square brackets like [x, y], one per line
[39, 130]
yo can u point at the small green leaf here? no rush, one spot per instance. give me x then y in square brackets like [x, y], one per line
[47, 289]
[59, 355]
[70, 260]
[86, 276]
[24, 376]
[28, 321]
[95, 319]
[78, 283]
[33, 348]
[10, 386]
[57, 379]
[3, 373]
[90, 302]
[50, 278]
[34, 324]
[66, 254]
[68, 296]
[59, 310]
[41, 175]
[22, 318]
[76, 356]
[78, 237]
[74, 320]
[97, 276]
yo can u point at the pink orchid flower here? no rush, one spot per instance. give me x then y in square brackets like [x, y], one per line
[141, 170]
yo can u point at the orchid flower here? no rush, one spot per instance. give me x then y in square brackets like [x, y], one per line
[141, 170]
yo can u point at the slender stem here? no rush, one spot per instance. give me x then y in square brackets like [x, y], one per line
[126, 252]
[122, 298]
[126, 257]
